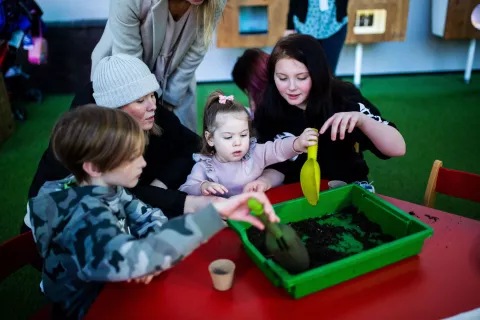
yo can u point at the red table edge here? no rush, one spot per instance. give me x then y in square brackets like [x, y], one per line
[293, 191]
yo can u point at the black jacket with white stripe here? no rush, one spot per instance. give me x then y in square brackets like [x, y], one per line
[338, 159]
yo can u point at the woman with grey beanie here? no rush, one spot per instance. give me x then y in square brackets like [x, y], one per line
[125, 82]
[171, 37]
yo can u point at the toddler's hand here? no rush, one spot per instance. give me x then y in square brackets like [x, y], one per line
[256, 186]
[209, 188]
[308, 138]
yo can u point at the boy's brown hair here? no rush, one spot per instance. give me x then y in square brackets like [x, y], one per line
[214, 107]
[105, 137]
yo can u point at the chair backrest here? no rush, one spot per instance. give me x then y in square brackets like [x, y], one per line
[453, 183]
[17, 253]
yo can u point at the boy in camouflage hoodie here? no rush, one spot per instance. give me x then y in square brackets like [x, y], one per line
[89, 230]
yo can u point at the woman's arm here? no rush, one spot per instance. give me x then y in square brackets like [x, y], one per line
[376, 134]
[124, 20]
[383, 137]
[180, 79]
[383, 134]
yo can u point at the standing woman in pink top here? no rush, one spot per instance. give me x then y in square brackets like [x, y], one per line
[231, 161]
[171, 37]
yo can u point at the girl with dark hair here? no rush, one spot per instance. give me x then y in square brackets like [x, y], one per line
[302, 93]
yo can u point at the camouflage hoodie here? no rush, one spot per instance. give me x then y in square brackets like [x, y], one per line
[89, 235]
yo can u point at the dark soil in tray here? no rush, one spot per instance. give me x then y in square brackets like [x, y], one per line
[331, 237]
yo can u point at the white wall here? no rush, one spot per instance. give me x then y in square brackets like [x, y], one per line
[420, 52]
[71, 10]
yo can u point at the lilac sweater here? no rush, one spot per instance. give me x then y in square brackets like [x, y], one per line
[235, 175]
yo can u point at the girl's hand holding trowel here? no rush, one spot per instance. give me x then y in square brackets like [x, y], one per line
[308, 138]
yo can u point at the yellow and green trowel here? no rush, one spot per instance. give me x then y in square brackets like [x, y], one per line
[310, 176]
[282, 242]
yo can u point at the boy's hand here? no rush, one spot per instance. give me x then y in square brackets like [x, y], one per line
[236, 208]
[208, 188]
[342, 121]
[308, 138]
[256, 186]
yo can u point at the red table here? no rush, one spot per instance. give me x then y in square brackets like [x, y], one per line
[442, 281]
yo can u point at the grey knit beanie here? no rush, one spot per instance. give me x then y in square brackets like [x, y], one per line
[121, 79]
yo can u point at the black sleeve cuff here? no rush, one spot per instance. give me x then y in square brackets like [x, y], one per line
[170, 201]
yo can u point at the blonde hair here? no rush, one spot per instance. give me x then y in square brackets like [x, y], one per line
[104, 136]
[156, 130]
[206, 18]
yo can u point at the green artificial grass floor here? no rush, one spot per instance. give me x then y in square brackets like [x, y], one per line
[437, 114]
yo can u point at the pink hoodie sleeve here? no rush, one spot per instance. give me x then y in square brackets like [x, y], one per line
[273, 152]
[195, 179]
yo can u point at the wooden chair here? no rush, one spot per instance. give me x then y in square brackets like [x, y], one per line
[17, 253]
[453, 183]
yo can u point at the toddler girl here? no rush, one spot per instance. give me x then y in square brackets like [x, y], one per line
[230, 158]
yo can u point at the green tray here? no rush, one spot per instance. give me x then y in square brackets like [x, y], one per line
[409, 233]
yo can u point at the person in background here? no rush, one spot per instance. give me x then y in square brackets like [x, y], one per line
[325, 20]
[171, 37]
[250, 75]
[90, 230]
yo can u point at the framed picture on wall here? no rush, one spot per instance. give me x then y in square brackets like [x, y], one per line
[253, 20]
[252, 23]
[370, 21]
